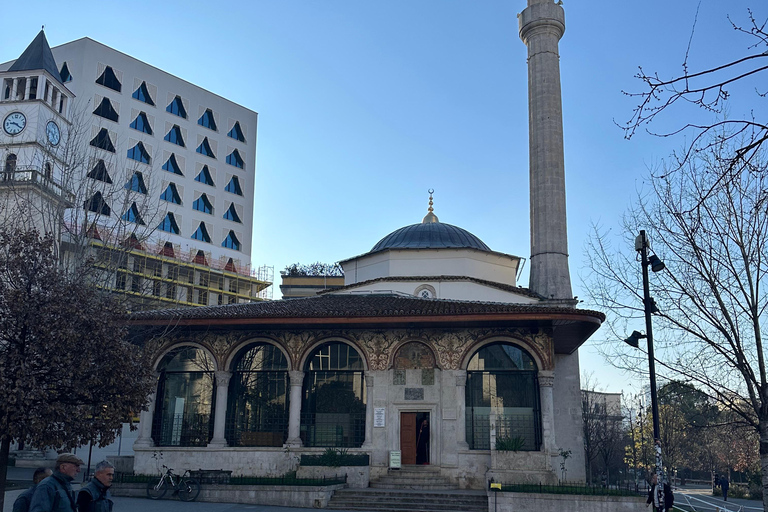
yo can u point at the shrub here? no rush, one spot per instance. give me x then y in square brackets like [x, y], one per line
[510, 444]
[334, 458]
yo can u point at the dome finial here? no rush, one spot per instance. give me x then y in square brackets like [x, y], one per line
[430, 217]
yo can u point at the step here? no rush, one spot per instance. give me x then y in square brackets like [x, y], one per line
[377, 500]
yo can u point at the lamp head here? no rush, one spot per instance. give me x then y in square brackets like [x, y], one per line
[634, 339]
[656, 264]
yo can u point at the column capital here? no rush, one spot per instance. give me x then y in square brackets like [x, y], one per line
[546, 379]
[461, 377]
[222, 377]
[297, 378]
[369, 380]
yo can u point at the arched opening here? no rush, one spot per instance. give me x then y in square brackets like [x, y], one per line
[257, 413]
[503, 379]
[185, 399]
[333, 408]
[9, 167]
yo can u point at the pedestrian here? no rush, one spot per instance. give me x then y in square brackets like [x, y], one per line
[54, 493]
[95, 497]
[653, 495]
[422, 444]
[724, 484]
[25, 498]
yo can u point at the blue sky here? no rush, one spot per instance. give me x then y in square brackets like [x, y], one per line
[363, 106]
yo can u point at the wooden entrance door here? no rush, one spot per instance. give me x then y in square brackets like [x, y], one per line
[408, 437]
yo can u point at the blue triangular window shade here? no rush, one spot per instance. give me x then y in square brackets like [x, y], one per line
[205, 148]
[136, 183]
[141, 123]
[204, 176]
[207, 120]
[64, 74]
[235, 159]
[201, 233]
[231, 242]
[171, 194]
[106, 110]
[142, 94]
[172, 166]
[132, 215]
[174, 136]
[232, 214]
[169, 224]
[109, 79]
[236, 132]
[139, 154]
[97, 204]
[102, 141]
[234, 186]
[99, 172]
[202, 204]
[176, 107]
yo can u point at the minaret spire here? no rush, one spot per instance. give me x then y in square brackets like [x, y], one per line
[430, 217]
[542, 24]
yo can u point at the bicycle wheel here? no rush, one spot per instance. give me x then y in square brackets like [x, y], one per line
[156, 490]
[189, 489]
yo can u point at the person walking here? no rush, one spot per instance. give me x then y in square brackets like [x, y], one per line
[54, 493]
[25, 498]
[422, 443]
[95, 497]
[724, 485]
[653, 495]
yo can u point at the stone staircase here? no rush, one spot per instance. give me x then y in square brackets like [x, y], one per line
[410, 489]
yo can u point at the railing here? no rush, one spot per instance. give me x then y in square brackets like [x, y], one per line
[28, 175]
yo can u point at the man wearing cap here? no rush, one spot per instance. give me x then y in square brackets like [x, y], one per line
[95, 496]
[25, 498]
[55, 494]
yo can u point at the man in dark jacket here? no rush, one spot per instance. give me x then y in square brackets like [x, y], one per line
[55, 494]
[25, 498]
[724, 484]
[95, 496]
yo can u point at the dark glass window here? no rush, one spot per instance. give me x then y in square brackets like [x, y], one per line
[234, 186]
[171, 194]
[202, 204]
[102, 141]
[204, 176]
[109, 79]
[231, 242]
[106, 110]
[99, 172]
[236, 132]
[174, 136]
[235, 159]
[201, 233]
[207, 120]
[141, 123]
[142, 94]
[138, 153]
[172, 166]
[231, 214]
[136, 183]
[132, 215]
[97, 204]
[169, 224]
[64, 74]
[205, 148]
[176, 107]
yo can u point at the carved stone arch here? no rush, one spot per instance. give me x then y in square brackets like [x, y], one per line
[302, 360]
[179, 344]
[401, 344]
[524, 345]
[236, 348]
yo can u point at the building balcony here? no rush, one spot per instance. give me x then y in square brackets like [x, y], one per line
[33, 177]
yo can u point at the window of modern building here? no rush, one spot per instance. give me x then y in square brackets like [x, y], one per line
[333, 408]
[99, 172]
[201, 233]
[174, 136]
[171, 165]
[97, 204]
[103, 141]
[171, 194]
[176, 107]
[169, 224]
[204, 176]
[133, 215]
[202, 204]
[142, 94]
[258, 398]
[205, 148]
[207, 120]
[234, 186]
[106, 110]
[235, 159]
[109, 79]
[136, 183]
[231, 242]
[236, 132]
[64, 74]
[503, 377]
[139, 154]
[185, 399]
[141, 123]
[231, 214]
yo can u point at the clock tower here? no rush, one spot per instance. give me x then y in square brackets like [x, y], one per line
[34, 117]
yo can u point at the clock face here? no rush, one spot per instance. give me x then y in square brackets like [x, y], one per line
[14, 123]
[53, 133]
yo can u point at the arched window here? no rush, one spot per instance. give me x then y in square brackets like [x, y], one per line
[185, 399]
[333, 408]
[10, 166]
[257, 413]
[502, 378]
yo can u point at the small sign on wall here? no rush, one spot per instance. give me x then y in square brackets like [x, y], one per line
[394, 459]
[379, 416]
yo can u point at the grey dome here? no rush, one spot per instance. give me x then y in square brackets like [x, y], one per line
[430, 235]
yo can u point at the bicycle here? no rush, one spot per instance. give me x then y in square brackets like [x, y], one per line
[186, 487]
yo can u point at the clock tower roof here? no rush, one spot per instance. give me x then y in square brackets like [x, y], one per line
[38, 55]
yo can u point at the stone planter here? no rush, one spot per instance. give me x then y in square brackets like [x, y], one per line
[521, 467]
[358, 477]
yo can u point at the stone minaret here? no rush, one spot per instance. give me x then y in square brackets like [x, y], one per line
[542, 24]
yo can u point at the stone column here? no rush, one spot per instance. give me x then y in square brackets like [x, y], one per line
[546, 381]
[145, 421]
[14, 89]
[28, 88]
[220, 414]
[461, 409]
[368, 411]
[294, 415]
